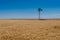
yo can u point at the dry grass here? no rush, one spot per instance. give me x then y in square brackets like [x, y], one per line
[29, 29]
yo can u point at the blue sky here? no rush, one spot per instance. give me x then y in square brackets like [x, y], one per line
[28, 8]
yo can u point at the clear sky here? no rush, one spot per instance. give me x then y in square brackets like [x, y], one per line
[28, 8]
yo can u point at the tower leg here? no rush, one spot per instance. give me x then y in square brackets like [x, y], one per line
[39, 15]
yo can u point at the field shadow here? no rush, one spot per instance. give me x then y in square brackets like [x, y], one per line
[56, 27]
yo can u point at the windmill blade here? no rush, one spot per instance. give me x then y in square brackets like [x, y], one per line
[39, 9]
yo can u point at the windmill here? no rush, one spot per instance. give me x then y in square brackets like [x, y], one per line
[39, 10]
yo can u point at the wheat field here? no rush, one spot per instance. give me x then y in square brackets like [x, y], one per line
[29, 29]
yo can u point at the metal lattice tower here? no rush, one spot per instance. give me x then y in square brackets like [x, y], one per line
[39, 10]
